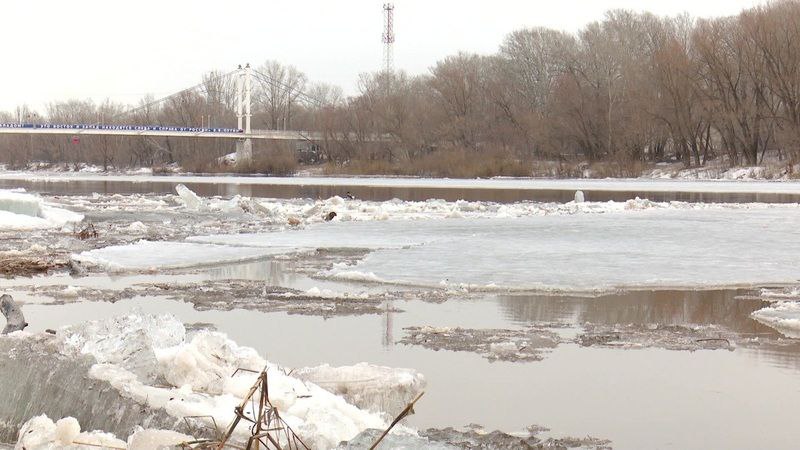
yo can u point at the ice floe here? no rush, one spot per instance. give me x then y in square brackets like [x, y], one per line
[374, 388]
[21, 211]
[783, 316]
[153, 360]
[151, 255]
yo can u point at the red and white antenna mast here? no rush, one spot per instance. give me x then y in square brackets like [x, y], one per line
[388, 38]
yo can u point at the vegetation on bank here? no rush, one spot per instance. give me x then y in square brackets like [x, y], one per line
[621, 94]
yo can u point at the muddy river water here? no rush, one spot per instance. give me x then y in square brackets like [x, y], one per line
[655, 388]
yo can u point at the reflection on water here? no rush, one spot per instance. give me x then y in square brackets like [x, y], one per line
[726, 308]
[382, 193]
[723, 307]
[276, 272]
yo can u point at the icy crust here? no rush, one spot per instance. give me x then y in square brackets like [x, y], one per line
[367, 385]
[582, 253]
[783, 316]
[147, 255]
[194, 376]
[20, 211]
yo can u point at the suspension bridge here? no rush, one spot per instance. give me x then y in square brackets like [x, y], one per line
[242, 135]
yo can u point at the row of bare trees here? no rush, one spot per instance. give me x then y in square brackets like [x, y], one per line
[633, 87]
[630, 89]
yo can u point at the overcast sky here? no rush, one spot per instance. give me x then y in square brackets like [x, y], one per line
[57, 49]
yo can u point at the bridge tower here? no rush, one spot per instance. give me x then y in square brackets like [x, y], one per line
[244, 146]
[388, 38]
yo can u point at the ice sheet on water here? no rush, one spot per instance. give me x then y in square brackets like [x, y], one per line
[655, 247]
[330, 235]
[22, 211]
[147, 255]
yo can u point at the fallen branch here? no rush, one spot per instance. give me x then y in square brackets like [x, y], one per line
[409, 409]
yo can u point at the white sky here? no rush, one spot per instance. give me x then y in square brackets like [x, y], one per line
[59, 49]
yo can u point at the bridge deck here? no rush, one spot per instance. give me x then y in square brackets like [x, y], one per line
[81, 130]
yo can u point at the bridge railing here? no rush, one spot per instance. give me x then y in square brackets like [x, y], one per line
[53, 126]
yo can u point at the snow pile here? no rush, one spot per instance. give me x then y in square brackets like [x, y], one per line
[136, 228]
[366, 385]
[21, 211]
[71, 292]
[41, 433]
[503, 349]
[778, 294]
[228, 160]
[640, 204]
[783, 316]
[150, 255]
[722, 172]
[198, 370]
[306, 212]
[189, 198]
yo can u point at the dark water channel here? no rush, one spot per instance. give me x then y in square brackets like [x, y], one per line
[375, 190]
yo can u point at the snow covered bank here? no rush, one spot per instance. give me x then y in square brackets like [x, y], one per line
[20, 211]
[151, 255]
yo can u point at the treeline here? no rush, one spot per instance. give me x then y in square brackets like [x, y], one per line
[629, 90]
